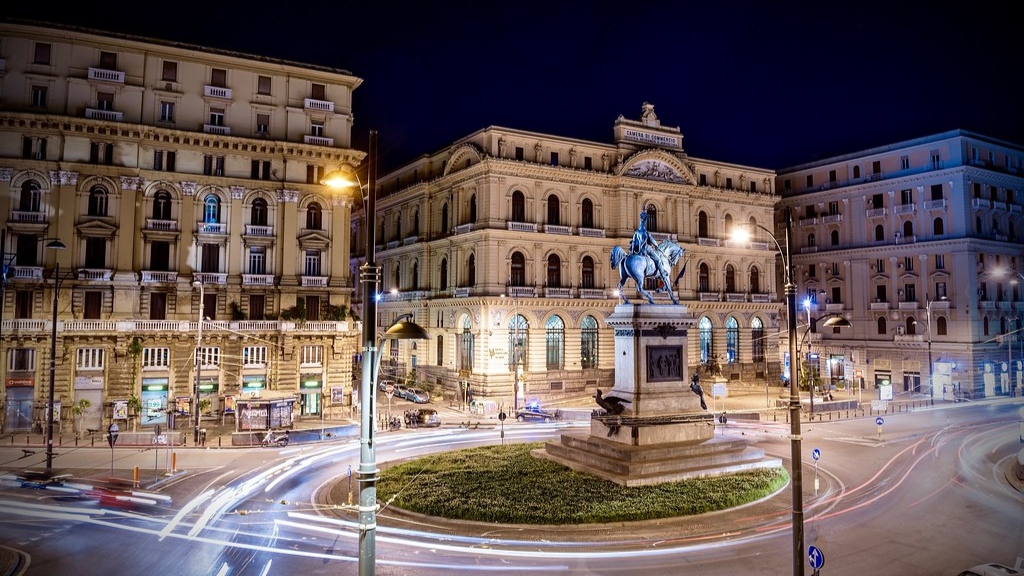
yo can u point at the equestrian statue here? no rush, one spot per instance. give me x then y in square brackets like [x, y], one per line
[647, 259]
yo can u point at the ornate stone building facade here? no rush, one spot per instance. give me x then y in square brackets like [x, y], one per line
[161, 165]
[918, 245]
[500, 245]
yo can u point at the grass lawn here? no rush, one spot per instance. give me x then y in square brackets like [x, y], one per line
[505, 484]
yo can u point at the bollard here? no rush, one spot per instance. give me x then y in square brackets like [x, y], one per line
[218, 441]
[135, 476]
[174, 462]
[76, 441]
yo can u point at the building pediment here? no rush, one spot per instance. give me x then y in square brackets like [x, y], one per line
[314, 239]
[658, 166]
[97, 228]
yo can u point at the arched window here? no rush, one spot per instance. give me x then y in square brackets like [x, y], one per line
[811, 241]
[856, 171]
[755, 280]
[162, 205]
[728, 225]
[397, 284]
[706, 339]
[879, 233]
[415, 279]
[444, 219]
[703, 278]
[553, 210]
[555, 343]
[518, 207]
[938, 228]
[940, 326]
[471, 271]
[31, 197]
[882, 329]
[757, 341]
[98, 201]
[466, 344]
[652, 218]
[977, 224]
[588, 342]
[834, 237]
[985, 326]
[587, 214]
[440, 350]
[732, 340]
[415, 222]
[472, 208]
[908, 229]
[554, 271]
[517, 272]
[587, 272]
[702, 224]
[443, 280]
[211, 209]
[518, 336]
[730, 278]
[258, 213]
[1002, 325]
[314, 216]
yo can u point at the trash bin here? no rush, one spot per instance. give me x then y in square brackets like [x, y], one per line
[202, 436]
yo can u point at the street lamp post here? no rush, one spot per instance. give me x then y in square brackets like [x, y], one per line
[53, 245]
[199, 363]
[1001, 272]
[369, 274]
[794, 394]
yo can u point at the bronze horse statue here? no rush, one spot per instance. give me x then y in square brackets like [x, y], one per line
[639, 267]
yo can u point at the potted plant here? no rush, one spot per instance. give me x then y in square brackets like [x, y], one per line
[134, 409]
[77, 409]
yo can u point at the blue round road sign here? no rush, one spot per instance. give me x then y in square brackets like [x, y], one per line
[879, 421]
[816, 557]
[815, 453]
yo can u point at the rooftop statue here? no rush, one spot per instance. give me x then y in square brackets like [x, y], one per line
[647, 259]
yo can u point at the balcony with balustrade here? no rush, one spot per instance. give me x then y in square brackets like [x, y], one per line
[590, 232]
[211, 228]
[259, 231]
[106, 76]
[939, 204]
[104, 115]
[25, 273]
[314, 105]
[257, 279]
[521, 226]
[557, 292]
[557, 229]
[161, 225]
[216, 129]
[218, 92]
[104, 274]
[210, 277]
[317, 140]
[158, 277]
[593, 293]
[314, 281]
[877, 212]
[28, 217]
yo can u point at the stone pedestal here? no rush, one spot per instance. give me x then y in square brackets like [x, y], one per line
[663, 434]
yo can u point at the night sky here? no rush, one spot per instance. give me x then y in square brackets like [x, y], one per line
[766, 84]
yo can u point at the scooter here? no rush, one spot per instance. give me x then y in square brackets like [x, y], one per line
[280, 441]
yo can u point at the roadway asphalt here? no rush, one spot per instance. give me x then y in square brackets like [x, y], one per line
[742, 402]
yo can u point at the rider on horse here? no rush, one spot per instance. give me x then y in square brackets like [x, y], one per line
[643, 243]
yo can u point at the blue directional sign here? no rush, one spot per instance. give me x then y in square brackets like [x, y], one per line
[879, 421]
[815, 453]
[816, 557]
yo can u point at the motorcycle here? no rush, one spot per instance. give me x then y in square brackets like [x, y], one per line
[281, 441]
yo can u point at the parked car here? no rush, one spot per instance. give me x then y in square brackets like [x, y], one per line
[417, 395]
[994, 570]
[382, 385]
[422, 418]
[400, 391]
[536, 413]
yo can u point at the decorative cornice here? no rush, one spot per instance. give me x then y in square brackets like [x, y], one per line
[6, 174]
[288, 196]
[134, 183]
[237, 192]
[63, 177]
[188, 188]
